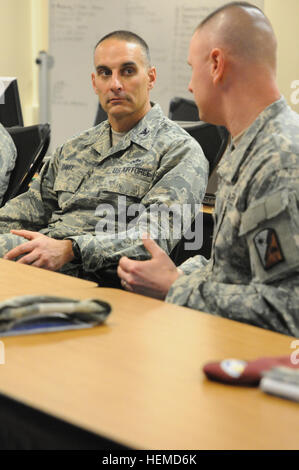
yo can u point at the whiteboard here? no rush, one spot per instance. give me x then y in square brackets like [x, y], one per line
[75, 26]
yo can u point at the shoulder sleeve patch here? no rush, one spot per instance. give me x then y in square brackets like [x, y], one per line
[268, 248]
[271, 229]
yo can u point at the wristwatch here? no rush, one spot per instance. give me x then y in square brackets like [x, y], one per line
[76, 251]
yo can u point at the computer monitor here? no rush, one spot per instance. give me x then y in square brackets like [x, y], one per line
[10, 105]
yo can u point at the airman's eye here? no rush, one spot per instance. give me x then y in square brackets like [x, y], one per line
[104, 72]
[128, 71]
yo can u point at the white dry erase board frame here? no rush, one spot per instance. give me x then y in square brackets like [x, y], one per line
[77, 25]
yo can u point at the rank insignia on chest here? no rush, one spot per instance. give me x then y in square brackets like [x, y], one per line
[145, 132]
[268, 247]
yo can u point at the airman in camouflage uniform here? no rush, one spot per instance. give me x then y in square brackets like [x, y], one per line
[253, 273]
[156, 162]
[75, 213]
[8, 155]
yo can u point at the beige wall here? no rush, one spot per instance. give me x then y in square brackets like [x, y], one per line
[24, 32]
[284, 16]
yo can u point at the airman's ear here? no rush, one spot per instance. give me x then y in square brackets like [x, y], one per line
[93, 81]
[152, 75]
[217, 65]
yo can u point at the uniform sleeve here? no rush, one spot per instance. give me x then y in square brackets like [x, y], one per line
[271, 228]
[32, 209]
[179, 182]
[193, 263]
[273, 306]
[8, 155]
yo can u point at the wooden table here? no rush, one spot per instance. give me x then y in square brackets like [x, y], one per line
[20, 279]
[138, 380]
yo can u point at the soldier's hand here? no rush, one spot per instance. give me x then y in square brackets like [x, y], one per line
[151, 277]
[41, 251]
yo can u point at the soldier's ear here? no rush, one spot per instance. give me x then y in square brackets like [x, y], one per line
[217, 59]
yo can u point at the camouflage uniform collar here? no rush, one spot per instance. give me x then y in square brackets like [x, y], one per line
[234, 158]
[146, 129]
[142, 134]
[100, 139]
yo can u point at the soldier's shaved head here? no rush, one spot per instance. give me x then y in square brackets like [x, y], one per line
[232, 55]
[244, 31]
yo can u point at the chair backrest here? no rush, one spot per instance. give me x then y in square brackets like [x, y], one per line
[213, 140]
[101, 115]
[182, 109]
[32, 143]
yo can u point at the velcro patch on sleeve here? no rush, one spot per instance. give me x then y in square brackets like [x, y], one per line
[268, 248]
[271, 229]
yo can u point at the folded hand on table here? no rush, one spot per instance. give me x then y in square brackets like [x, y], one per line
[41, 251]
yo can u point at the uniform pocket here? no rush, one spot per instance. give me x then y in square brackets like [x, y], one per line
[66, 187]
[126, 185]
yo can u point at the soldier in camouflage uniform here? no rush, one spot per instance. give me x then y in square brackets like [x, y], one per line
[253, 273]
[152, 161]
[8, 155]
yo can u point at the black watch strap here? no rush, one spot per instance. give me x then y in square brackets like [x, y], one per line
[76, 251]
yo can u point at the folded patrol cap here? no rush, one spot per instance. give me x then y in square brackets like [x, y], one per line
[35, 314]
